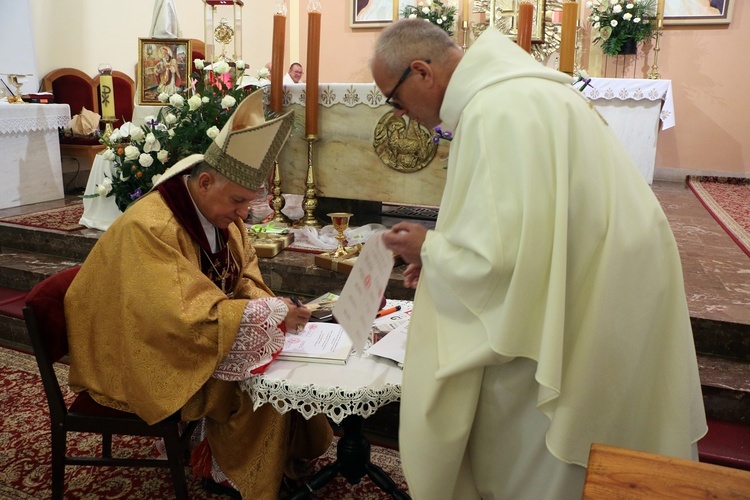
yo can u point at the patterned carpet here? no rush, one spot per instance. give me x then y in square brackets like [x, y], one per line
[728, 201]
[25, 470]
[62, 219]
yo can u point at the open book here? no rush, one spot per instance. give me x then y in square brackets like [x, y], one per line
[318, 343]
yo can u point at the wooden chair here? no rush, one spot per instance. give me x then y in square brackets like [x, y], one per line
[76, 89]
[197, 51]
[45, 321]
[628, 474]
[124, 89]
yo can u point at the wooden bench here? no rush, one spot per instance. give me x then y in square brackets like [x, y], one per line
[628, 474]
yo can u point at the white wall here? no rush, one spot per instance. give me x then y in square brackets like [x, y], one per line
[85, 33]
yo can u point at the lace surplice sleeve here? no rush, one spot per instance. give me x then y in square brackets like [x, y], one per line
[258, 340]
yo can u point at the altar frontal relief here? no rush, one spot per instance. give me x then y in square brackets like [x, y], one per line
[364, 152]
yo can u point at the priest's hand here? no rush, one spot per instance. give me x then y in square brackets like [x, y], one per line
[411, 275]
[406, 239]
[297, 317]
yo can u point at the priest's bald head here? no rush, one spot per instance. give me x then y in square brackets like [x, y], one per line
[412, 64]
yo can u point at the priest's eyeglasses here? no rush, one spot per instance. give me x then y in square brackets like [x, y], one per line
[401, 80]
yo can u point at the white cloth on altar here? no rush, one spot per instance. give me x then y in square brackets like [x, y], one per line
[635, 89]
[30, 163]
[20, 118]
[100, 212]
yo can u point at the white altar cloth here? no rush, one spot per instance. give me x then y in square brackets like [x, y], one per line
[30, 164]
[633, 109]
[100, 212]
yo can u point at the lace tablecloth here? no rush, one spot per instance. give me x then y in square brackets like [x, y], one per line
[18, 118]
[634, 89]
[353, 94]
[359, 387]
[348, 94]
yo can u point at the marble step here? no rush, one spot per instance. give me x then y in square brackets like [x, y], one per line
[23, 269]
[68, 244]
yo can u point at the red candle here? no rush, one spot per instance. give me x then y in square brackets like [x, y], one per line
[313, 70]
[525, 21]
[568, 36]
[277, 61]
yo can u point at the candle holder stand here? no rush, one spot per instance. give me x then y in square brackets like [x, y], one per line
[310, 202]
[654, 73]
[465, 35]
[108, 121]
[277, 200]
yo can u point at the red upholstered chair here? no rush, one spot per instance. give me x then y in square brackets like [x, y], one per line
[76, 89]
[45, 321]
[124, 89]
[72, 87]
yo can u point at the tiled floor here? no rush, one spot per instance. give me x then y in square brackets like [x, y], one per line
[716, 270]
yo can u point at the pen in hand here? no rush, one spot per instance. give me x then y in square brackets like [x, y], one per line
[296, 301]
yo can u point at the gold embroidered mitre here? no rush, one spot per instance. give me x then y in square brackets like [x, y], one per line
[246, 147]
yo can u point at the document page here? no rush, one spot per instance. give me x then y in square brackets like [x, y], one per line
[321, 342]
[360, 299]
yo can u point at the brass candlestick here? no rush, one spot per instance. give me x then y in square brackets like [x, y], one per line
[277, 200]
[340, 222]
[654, 73]
[310, 202]
[465, 38]
[108, 126]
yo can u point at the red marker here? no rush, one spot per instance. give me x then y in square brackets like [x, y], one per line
[386, 312]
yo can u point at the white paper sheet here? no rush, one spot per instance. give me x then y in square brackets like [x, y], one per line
[393, 345]
[360, 299]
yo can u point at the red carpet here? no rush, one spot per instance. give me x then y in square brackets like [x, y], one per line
[728, 201]
[25, 469]
[62, 219]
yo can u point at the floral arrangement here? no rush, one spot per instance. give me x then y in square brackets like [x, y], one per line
[621, 21]
[186, 125]
[435, 11]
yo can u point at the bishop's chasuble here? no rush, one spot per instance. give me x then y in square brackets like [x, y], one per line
[550, 312]
[147, 330]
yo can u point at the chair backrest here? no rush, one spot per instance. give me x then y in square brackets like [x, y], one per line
[45, 321]
[72, 87]
[124, 89]
[197, 51]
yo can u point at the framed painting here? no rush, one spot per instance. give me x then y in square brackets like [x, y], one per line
[698, 11]
[371, 13]
[163, 66]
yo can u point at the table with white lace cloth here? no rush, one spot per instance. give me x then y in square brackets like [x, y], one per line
[30, 163]
[633, 109]
[347, 394]
[359, 387]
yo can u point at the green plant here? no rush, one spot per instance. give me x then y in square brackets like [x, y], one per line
[435, 11]
[620, 21]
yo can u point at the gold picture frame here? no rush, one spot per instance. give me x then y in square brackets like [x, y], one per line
[698, 12]
[163, 66]
[370, 13]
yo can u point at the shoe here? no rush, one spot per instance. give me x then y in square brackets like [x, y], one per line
[219, 489]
